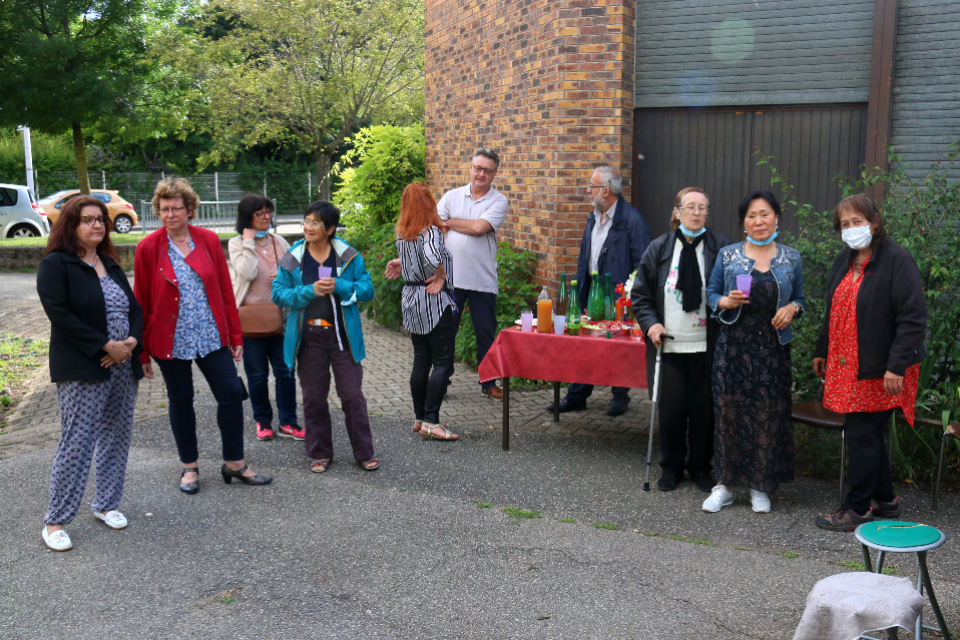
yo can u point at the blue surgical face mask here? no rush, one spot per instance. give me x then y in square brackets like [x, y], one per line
[763, 243]
[262, 234]
[692, 234]
[857, 237]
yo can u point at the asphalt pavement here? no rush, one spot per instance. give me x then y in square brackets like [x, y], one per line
[413, 550]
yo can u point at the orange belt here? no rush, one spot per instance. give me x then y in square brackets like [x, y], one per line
[318, 322]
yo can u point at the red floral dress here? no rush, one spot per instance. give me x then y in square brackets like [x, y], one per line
[843, 392]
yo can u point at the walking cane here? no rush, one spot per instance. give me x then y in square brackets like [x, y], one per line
[653, 412]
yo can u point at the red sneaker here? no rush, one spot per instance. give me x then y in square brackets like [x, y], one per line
[264, 432]
[292, 431]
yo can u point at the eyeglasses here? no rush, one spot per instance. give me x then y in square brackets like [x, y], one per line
[92, 220]
[263, 214]
[694, 208]
[486, 172]
[591, 187]
[177, 210]
[311, 225]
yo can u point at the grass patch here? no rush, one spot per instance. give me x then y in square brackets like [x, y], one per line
[608, 526]
[519, 513]
[650, 533]
[19, 360]
[859, 566]
[790, 555]
[568, 521]
[703, 542]
[482, 505]
[742, 548]
[227, 600]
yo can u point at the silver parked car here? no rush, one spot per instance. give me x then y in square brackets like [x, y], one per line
[20, 216]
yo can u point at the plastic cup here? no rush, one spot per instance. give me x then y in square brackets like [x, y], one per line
[325, 272]
[559, 323]
[743, 283]
[526, 320]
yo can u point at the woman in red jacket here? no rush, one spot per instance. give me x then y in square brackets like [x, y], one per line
[182, 282]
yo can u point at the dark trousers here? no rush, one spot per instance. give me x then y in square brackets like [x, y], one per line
[483, 310]
[577, 392]
[432, 349]
[870, 476]
[221, 375]
[686, 414]
[319, 353]
[259, 354]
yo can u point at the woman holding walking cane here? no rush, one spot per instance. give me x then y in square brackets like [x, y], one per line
[669, 295]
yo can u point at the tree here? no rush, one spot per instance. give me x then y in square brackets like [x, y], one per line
[302, 72]
[70, 63]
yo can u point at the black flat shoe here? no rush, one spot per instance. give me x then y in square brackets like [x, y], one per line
[567, 405]
[668, 482]
[617, 408]
[190, 487]
[704, 481]
[229, 474]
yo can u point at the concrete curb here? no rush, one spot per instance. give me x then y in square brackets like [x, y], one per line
[28, 258]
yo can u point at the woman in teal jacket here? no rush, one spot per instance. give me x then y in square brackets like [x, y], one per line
[321, 280]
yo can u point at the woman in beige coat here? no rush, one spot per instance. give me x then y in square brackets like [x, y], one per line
[254, 255]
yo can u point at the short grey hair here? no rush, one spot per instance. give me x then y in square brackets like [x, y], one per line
[489, 154]
[611, 179]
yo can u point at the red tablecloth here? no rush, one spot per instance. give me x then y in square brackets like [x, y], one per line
[609, 362]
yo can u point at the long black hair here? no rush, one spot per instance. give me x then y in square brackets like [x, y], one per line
[766, 196]
[249, 205]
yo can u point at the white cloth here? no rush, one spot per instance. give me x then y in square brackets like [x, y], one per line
[475, 256]
[844, 606]
[689, 330]
[599, 235]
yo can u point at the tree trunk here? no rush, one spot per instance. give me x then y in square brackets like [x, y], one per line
[323, 176]
[80, 152]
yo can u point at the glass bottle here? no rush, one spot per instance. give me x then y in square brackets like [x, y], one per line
[609, 311]
[544, 312]
[595, 300]
[562, 299]
[573, 311]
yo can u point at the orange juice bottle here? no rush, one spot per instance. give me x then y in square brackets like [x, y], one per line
[544, 313]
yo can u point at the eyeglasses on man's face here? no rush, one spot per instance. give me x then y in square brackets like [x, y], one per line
[92, 221]
[694, 208]
[172, 210]
[483, 170]
[591, 187]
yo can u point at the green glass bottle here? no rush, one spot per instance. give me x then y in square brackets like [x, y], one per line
[595, 299]
[562, 299]
[609, 310]
[573, 311]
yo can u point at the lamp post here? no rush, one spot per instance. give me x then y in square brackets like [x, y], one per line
[28, 154]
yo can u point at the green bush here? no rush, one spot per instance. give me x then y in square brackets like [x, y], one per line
[50, 154]
[923, 216]
[516, 268]
[383, 161]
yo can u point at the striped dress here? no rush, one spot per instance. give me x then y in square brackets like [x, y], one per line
[418, 260]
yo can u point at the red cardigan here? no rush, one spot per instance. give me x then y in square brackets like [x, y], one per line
[155, 286]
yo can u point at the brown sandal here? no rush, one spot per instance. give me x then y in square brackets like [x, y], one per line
[427, 432]
[416, 425]
[366, 464]
[319, 466]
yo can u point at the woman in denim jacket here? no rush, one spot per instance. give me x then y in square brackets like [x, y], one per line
[753, 438]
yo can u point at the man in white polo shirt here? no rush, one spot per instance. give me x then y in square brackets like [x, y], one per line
[473, 213]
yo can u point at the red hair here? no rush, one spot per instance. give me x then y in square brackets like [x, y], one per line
[418, 211]
[63, 235]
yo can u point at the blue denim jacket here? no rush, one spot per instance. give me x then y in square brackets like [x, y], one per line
[732, 261]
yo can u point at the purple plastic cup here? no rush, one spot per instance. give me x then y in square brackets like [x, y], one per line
[526, 321]
[743, 284]
[325, 272]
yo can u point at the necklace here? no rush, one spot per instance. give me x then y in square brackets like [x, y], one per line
[96, 260]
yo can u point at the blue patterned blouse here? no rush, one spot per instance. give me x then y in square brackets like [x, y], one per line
[196, 335]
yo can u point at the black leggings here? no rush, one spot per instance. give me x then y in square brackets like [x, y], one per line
[686, 414]
[432, 349]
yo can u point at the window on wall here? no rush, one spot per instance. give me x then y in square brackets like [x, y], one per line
[718, 150]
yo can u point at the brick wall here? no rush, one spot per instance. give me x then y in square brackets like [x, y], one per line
[549, 84]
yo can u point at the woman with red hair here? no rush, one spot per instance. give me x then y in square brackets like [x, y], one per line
[429, 308]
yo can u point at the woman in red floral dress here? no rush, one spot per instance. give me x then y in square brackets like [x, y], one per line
[869, 350]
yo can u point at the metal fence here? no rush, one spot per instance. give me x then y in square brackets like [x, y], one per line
[218, 216]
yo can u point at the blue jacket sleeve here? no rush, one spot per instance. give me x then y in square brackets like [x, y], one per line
[287, 292]
[715, 287]
[354, 284]
[798, 296]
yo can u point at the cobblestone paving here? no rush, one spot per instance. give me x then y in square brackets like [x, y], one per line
[35, 423]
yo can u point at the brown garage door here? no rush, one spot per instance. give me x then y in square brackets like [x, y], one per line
[718, 149]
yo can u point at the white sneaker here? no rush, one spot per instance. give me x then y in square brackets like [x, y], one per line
[720, 497]
[760, 501]
[58, 540]
[113, 519]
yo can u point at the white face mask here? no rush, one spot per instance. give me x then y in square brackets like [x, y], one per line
[857, 237]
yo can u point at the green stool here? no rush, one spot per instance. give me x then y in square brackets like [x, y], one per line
[905, 537]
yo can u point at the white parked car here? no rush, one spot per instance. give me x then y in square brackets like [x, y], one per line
[20, 216]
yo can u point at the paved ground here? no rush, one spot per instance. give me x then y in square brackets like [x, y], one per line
[405, 552]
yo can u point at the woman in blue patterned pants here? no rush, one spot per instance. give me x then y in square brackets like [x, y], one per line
[96, 329]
